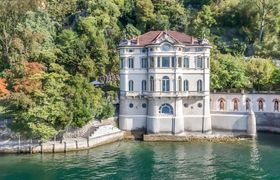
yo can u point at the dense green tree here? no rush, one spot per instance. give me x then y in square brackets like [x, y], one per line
[84, 100]
[50, 51]
[144, 13]
[170, 15]
[228, 72]
[260, 72]
[203, 22]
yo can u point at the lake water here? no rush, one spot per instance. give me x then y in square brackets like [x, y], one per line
[258, 159]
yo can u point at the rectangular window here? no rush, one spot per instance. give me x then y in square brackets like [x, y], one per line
[186, 62]
[144, 85]
[179, 61]
[186, 49]
[199, 62]
[143, 62]
[198, 49]
[130, 63]
[152, 62]
[173, 61]
[152, 84]
[131, 50]
[158, 62]
[166, 61]
[122, 63]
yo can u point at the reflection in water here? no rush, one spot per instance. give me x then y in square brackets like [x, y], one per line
[254, 156]
[142, 160]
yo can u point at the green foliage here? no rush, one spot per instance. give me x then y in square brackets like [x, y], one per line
[130, 32]
[50, 51]
[42, 131]
[228, 72]
[170, 15]
[144, 13]
[276, 78]
[108, 110]
[203, 22]
[84, 100]
[260, 72]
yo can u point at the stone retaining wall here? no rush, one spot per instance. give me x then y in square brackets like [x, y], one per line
[195, 137]
[53, 147]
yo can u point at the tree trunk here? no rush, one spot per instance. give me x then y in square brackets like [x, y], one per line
[261, 28]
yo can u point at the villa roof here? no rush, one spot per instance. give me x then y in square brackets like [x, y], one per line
[153, 37]
[150, 36]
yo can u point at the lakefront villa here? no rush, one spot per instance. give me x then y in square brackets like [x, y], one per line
[164, 88]
[164, 83]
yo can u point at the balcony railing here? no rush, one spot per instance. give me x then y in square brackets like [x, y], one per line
[163, 93]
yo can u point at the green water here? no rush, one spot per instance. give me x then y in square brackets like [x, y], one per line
[142, 160]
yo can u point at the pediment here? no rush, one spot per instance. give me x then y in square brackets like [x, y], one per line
[165, 37]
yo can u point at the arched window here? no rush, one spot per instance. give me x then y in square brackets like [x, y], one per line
[130, 85]
[166, 109]
[222, 104]
[165, 84]
[260, 104]
[180, 83]
[144, 85]
[186, 85]
[235, 104]
[166, 47]
[152, 83]
[276, 105]
[199, 86]
[248, 101]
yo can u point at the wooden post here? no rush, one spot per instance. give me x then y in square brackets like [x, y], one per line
[19, 143]
[88, 142]
[77, 144]
[30, 147]
[53, 149]
[41, 148]
[65, 147]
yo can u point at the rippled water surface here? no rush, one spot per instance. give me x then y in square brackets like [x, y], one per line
[142, 160]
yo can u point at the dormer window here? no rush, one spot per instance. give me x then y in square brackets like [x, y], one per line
[166, 47]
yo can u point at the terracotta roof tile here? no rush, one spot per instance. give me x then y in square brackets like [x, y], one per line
[150, 36]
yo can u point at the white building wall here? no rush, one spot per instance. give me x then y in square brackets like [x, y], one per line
[189, 118]
[229, 105]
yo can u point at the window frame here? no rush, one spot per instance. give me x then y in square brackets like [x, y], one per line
[163, 107]
[165, 86]
[186, 85]
[131, 63]
[199, 85]
[130, 85]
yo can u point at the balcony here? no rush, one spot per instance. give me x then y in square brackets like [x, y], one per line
[163, 94]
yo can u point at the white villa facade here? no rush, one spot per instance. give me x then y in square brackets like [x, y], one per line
[164, 83]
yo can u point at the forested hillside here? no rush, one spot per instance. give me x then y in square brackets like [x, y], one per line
[50, 51]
